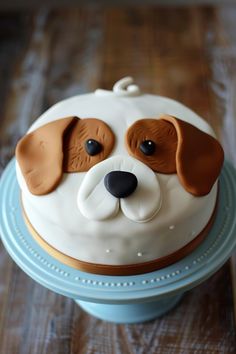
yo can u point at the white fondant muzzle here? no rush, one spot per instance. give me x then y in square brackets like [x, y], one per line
[96, 203]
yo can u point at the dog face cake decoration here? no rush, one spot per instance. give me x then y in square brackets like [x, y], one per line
[119, 182]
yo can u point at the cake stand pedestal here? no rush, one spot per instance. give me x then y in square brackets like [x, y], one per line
[131, 313]
[120, 299]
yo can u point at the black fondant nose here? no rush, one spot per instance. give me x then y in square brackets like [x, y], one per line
[120, 183]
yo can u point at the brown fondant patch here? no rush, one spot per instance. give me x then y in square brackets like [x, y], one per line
[40, 156]
[199, 157]
[58, 147]
[196, 156]
[76, 158]
[163, 134]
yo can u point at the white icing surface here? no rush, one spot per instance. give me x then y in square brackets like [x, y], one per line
[96, 203]
[81, 219]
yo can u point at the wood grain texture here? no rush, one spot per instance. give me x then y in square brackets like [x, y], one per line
[187, 53]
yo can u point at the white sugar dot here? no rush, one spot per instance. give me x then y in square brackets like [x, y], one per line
[140, 254]
[108, 250]
[171, 227]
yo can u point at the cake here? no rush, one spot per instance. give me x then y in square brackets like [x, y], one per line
[119, 182]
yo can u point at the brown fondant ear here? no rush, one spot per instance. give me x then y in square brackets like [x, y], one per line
[40, 155]
[199, 157]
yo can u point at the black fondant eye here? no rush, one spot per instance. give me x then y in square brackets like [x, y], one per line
[147, 147]
[93, 147]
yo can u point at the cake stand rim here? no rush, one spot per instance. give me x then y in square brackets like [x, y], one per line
[107, 294]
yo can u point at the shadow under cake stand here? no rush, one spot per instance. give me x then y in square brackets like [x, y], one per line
[120, 299]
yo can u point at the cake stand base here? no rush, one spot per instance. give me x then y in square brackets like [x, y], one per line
[120, 299]
[130, 313]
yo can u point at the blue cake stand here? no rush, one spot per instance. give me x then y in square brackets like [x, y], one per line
[120, 299]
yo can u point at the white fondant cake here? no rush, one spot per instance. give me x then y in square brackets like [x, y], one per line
[83, 220]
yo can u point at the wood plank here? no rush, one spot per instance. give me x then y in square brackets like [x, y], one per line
[24, 95]
[176, 52]
[223, 60]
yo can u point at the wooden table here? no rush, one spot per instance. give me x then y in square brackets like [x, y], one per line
[187, 53]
